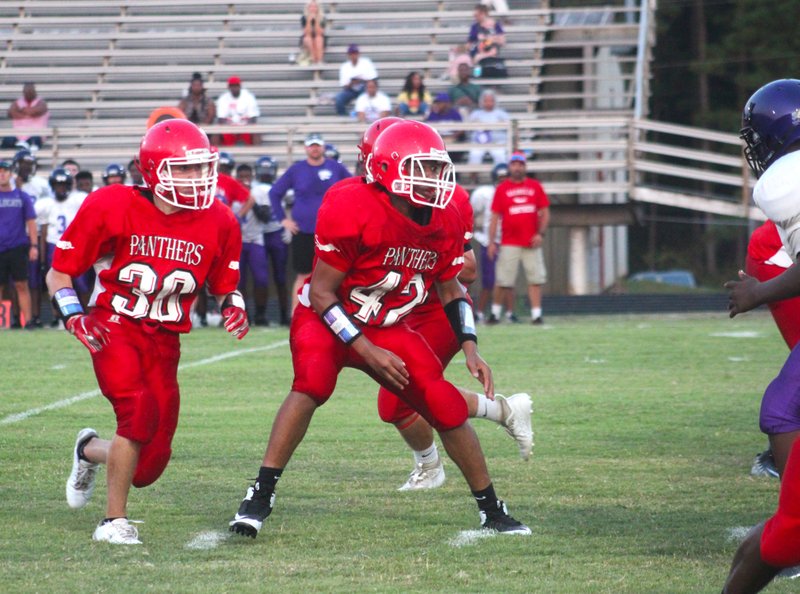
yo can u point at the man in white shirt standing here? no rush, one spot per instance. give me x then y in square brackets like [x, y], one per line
[237, 107]
[372, 104]
[353, 75]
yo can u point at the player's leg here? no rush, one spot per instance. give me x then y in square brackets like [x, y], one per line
[24, 297]
[508, 258]
[317, 358]
[780, 409]
[124, 386]
[278, 252]
[749, 573]
[443, 406]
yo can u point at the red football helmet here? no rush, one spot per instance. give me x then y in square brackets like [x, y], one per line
[409, 159]
[368, 139]
[165, 149]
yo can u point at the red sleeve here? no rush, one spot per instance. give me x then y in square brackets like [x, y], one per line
[223, 277]
[764, 242]
[232, 190]
[338, 233]
[498, 202]
[91, 233]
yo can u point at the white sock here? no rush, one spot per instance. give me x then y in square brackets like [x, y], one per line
[426, 456]
[536, 312]
[489, 409]
[497, 310]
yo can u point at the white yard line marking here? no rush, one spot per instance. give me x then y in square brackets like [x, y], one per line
[470, 537]
[742, 334]
[205, 541]
[737, 533]
[17, 417]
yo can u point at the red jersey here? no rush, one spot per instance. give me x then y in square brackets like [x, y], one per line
[230, 189]
[150, 265]
[391, 261]
[765, 242]
[519, 203]
[460, 201]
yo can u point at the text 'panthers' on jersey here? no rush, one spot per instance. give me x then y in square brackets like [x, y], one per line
[150, 265]
[390, 260]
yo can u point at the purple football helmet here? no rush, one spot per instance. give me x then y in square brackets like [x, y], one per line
[771, 123]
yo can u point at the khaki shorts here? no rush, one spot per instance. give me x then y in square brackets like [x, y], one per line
[508, 260]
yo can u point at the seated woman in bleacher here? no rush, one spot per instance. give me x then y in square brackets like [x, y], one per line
[313, 39]
[414, 99]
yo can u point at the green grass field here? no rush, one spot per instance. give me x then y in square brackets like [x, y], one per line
[646, 428]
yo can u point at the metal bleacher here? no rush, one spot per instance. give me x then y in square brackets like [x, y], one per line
[104, 66]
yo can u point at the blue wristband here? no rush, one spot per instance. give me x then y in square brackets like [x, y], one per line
[336, 318]
[67, 303]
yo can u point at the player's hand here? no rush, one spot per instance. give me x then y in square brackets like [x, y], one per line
[742, 294]
[385, 364]
[491, 250]
[235, 320]
[482, 372]
[290, 226]
[92, 334]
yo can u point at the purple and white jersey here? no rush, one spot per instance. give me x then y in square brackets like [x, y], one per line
[57, 215]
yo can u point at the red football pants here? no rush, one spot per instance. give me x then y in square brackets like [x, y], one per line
[318, 356]
[432, 324]
[780, 541]
[138, 373]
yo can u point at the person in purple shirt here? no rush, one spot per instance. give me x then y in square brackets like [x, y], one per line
[18, 239]
[309, 179]
[442, 110]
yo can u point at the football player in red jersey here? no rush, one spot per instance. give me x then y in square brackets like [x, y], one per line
[380, 249]
[153, 248]
[429, 320]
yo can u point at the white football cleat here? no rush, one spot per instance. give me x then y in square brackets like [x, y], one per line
[117, 531]
[425, 476]
[80, 483]
[517, 421]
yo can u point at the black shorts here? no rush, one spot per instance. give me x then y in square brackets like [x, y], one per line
[303, 252]
[14, 264]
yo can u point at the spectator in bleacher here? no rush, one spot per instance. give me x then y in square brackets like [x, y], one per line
[457, 56]
[353, 75]
[310, 178]
[71, 166]
[27, 113]
[238, 107]
[414, 99]
[488, 113]
[486, 36]
[136, 176]
[442, 110]
[84, 181]
[373, 104]
[197, 105]
[19, 244]
[465, 94]
[313, 39]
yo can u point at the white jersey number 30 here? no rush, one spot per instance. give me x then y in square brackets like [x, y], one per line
[144, 282]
